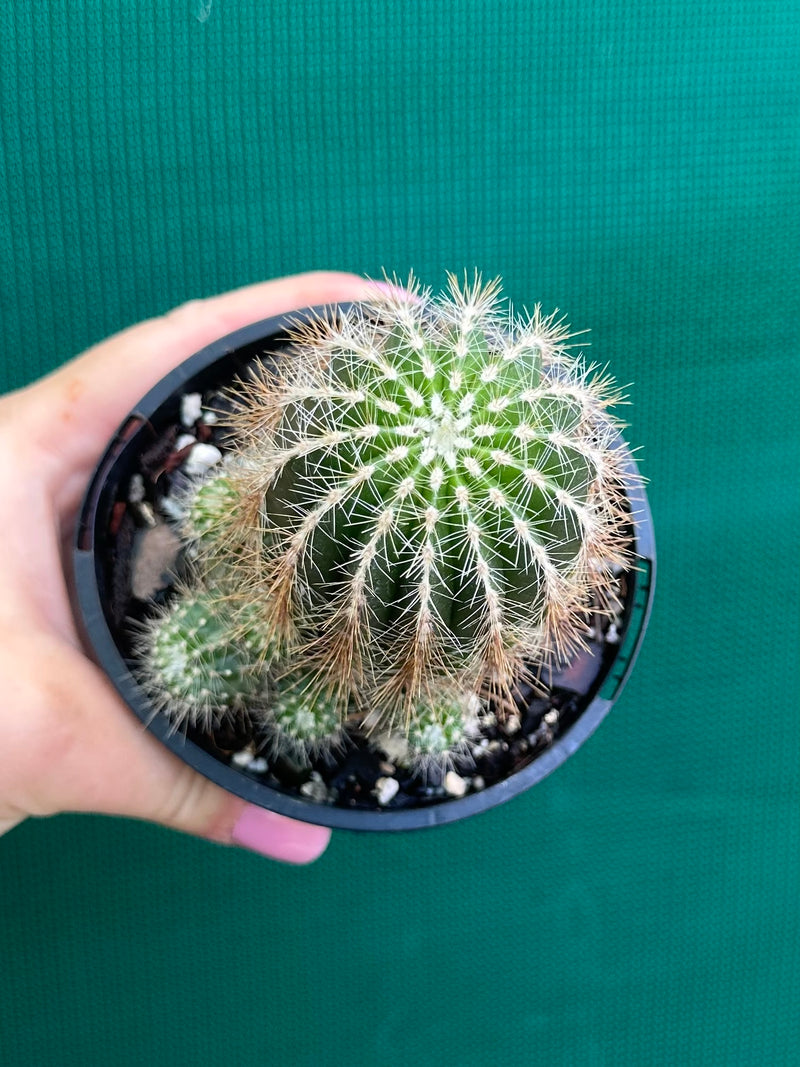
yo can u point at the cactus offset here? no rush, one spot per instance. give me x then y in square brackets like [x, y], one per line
[301, 719]
[428, 500]
[440, 730]
[206, 508]
[202, 662]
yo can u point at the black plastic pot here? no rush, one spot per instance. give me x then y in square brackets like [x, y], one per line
[105, 541]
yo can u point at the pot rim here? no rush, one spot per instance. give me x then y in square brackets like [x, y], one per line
[100, 641]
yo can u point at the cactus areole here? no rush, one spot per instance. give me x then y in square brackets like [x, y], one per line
[400, 560]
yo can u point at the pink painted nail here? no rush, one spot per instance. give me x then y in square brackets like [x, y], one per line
[278, 837]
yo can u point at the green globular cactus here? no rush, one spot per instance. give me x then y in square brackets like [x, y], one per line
[207, 508]
[219, 533]
[425, 499]
[202, 663]
[441, 729]
[302, 719]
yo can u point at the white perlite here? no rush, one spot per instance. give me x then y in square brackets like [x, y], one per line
[385, 789]
[315, 789]
[512, 725]
[454, 784]
[243, 758]
[202, 458]
[184, 441]
[191, 408]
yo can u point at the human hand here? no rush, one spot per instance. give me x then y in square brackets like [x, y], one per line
[68, 742]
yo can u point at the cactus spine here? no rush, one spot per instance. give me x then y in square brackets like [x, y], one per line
[424, 501]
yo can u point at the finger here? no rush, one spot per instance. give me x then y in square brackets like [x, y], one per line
[77, 748]
[80, 405]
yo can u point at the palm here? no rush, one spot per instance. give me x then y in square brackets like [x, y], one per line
[69, 744]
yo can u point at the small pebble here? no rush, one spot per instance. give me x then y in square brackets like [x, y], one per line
[243, 758]
[184, 441]
[385, 789]
[454, 784]
[315, 789]
[202, 458]
[551, 717]
[612, 634]
[210, 418]
[258, 765]
[512, 725]
[191, 408]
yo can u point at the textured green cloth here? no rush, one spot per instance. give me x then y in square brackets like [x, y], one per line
[636, 165]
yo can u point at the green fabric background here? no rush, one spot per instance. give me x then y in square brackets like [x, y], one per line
[634, 164]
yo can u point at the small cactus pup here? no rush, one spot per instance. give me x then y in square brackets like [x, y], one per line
[202, 661]
[421, 505]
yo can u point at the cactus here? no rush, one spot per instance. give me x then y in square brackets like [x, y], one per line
[202, 662]
[206, 508]
[425, 499]
[302, 720]
[440, 730]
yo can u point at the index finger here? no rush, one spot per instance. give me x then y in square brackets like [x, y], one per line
[70, 415]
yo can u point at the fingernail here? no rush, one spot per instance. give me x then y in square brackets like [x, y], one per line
[278, 837]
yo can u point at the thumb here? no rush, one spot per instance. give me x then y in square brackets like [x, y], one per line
[190, 803]
[83, 750]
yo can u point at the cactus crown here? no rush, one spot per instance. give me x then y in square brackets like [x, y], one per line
[424, 499]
